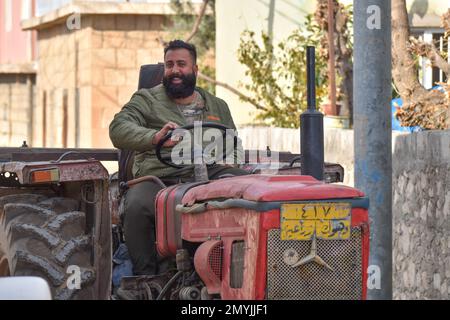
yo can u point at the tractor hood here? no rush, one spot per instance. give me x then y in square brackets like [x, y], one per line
[268, 188]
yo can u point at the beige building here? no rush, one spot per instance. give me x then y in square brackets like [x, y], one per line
[17, 73]
[89, 56]
[17, 101]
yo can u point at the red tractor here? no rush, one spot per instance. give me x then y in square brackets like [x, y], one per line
[267, 235]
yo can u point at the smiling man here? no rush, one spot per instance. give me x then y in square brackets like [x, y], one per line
[142, 123]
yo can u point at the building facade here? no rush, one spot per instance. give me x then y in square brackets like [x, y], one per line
[17, 73]
[90, 53]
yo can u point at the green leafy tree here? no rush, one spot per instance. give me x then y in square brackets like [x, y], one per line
[278, 73]
[281, 87]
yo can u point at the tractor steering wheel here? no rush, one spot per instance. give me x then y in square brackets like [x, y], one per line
[167, 160]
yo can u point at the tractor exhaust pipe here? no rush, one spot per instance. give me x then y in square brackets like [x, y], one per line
[311, 126]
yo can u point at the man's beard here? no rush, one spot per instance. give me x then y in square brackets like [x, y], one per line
[180, 90]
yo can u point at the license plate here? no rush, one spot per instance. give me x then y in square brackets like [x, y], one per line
[301, 221]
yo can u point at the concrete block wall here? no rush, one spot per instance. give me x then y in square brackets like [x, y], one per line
[120, 46]
[16, 102]
[338, 144]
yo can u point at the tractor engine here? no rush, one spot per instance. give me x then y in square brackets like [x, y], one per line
[269, 237]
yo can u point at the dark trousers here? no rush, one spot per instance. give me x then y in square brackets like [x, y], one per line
[139, 221]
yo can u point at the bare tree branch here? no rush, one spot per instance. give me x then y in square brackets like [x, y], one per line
[230, 88]
[205, 77]
[429, 51]
[421, 107]
[162, 41]
[224, 85]
[404, 71]
[198, 20]
[211, 80]
[197, 23]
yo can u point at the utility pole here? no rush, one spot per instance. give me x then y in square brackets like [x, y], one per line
[372, 129]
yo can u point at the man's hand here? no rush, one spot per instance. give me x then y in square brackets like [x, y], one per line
[162, 133]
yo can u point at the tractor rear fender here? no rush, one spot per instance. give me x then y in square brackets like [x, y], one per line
[14, 174]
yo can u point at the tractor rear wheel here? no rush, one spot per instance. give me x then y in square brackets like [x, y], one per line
[46, 237]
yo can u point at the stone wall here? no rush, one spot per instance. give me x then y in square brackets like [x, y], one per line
[120, 46]
[421, 216]
[86, 75]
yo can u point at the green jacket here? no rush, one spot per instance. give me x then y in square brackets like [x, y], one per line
[145, 114]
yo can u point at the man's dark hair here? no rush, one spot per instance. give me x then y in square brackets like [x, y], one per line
[180, 44]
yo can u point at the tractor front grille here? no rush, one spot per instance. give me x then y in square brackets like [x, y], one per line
[215, 260]
[312, 281]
